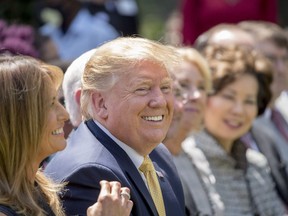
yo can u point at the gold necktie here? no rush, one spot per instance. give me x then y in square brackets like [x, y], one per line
[148, 170]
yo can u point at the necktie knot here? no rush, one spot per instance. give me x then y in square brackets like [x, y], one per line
[147, 165]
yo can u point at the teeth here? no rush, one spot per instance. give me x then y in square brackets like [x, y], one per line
[153, 118]
[233, 123]
[58, 131]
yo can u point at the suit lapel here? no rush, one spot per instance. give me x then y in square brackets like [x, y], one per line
[167, 191]
[142, 190]
[125, 164]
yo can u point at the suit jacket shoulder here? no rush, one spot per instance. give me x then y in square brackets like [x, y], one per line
[86, 161]
[282, 103]
[275, 150]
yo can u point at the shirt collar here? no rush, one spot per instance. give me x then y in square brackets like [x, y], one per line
[136, 158]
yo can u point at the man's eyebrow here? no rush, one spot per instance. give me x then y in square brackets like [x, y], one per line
[167, 80]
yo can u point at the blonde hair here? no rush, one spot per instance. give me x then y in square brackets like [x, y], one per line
[115, 58]
[24, 92]
[192, 56]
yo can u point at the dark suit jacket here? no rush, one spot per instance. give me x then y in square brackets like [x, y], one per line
[275, 150]
[92, 156]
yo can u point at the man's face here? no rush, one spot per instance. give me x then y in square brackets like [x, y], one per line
[279, 58]
[140, 107]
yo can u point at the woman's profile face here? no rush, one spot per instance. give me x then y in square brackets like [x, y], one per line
[231, 111]
[53, 139]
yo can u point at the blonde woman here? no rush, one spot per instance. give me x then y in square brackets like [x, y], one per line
[192, 85]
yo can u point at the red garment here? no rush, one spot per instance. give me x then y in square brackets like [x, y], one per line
[201, 15]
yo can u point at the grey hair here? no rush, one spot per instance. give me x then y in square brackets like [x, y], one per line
[71, 83]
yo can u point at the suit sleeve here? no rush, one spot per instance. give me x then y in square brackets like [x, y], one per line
[83, 188]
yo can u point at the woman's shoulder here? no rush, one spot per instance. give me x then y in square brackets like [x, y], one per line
[256, 158]
[190, 147]
[257, 163]
[196, 155]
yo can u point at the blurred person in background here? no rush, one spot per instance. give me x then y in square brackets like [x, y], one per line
[241, 83]
[224, 34]
[261, 136]
[272, 41]
[122, 14]
[72, 89]
[200, 15]
[76, 31]
[192, 84]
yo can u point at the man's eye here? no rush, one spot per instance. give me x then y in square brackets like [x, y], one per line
[201, 88]
[228, 97]
[142, 89]
[166, 87]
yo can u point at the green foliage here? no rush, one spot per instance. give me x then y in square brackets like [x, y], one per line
[153, 15]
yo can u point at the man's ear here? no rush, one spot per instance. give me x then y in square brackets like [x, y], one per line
[77, 96]
[99, 105]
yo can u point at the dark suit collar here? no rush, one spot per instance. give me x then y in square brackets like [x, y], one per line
[125, 163]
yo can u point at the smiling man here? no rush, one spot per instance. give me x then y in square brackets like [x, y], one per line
[127, 104]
